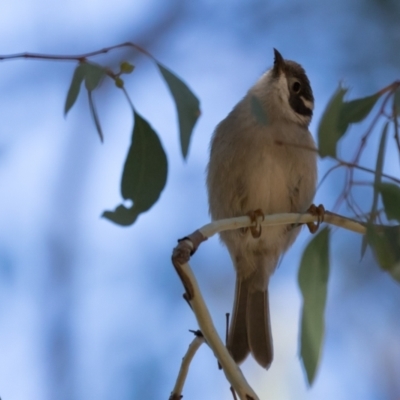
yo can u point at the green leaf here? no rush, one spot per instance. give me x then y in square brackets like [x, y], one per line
[378, 172]
[313, 282]
[377, 183]
[338, 116]
[94, 73]
[258, 111]
[93, 113]
[385, 244]
[391, 200]
[144, 175]
[74, 88]
[330, 130]
[396, 101]
[356, 110]
[91, 73]
[187, 104]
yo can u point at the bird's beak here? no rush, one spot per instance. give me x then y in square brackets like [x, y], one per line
[278, 62]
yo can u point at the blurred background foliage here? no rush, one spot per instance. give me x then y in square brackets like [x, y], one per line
[92, 310]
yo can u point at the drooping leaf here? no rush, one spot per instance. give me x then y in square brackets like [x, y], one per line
[88, 72]
[313, 281]
[145, 171]
[330, 130]
[187, 104]
[385, 244]
[258, 111]
[93, 113]
[74, 88]
[94, 73]
[397, 101]
[391, 200]
[378, 172]
[144, 175]
[356, 110]
[377, 183]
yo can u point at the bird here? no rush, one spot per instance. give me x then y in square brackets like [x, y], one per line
[262, 158]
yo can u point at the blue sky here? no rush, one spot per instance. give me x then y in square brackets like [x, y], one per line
[92, 310]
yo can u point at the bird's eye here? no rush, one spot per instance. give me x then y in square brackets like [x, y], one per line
[296, 87]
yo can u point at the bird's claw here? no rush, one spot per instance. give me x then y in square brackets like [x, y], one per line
[255, 229]
[320, 213]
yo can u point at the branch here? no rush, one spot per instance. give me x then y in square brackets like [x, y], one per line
[77, 57]
[196, 301]
[187, 359]
[281, 219]
[186, 248]
[356, 166]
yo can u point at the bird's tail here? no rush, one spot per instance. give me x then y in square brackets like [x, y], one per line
[250, 328]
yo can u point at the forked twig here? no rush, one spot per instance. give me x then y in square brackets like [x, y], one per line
[188, 245]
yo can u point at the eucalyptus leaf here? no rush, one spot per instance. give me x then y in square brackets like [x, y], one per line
[378, 172]
[391, 200]
[385, 243]
[144, 175]
[397, 101]
[330, 130]
[88, 72]
[187, 104]
[74, 88]
[258, 110]
[93, 113]
[356, 110]
[313, 281]
[94, 73]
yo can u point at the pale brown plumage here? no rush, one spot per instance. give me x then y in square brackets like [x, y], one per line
[251, 169]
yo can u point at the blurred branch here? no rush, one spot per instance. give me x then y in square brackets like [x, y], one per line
[342, 163]
[187, 359]
[338, 116]
[77, 57]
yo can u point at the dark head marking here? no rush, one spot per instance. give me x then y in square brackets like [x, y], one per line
[298, 84]
[299, 88]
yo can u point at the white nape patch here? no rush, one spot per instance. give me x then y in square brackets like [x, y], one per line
[307, 103]
[283, 90]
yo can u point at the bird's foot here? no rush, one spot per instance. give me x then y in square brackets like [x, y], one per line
[320, 213]
[256, 228]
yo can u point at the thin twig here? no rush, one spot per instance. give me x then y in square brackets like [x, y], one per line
[183, 371]
[346, 193]
[76, 57]
[231, 370]
[365, 169]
